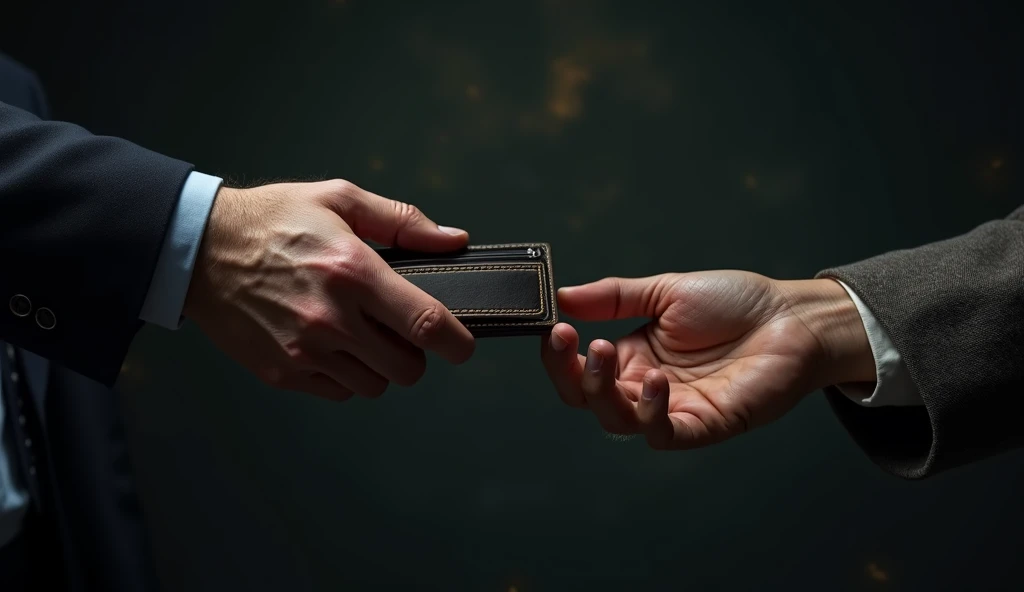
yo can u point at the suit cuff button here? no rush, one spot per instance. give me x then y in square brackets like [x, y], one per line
[46, 319]
[20, 305]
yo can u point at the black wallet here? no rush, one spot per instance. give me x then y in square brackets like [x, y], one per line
[494, 290]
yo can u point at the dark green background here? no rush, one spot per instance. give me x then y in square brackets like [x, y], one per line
[637, 137]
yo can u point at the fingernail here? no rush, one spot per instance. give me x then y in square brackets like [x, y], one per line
[593, 361]
[451, 231]
[557, 343]
[650, 392]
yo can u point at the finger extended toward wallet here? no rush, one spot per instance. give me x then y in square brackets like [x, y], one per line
[612, 298]
[605, 397]
[563, 364]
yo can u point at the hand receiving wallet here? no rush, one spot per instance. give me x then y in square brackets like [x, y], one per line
[494, 290]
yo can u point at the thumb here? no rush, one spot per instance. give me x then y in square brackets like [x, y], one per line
[391, 222]
[615, 298]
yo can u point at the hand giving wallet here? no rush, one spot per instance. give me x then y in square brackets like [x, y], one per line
[494, 290]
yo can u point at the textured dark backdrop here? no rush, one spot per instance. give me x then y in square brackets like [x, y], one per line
[637, 137]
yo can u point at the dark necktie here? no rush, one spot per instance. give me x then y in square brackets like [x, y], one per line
[23, 421]
[40, 561]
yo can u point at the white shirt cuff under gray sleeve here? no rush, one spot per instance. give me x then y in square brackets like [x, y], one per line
[893, 386]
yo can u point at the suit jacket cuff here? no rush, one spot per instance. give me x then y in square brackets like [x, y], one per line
[897, 438]
[166, 297]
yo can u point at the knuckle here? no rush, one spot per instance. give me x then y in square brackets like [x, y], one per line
[343, 188]
[429, 323]
[296, 354]
[308, 319]
[349, 264]
[274, 377]
[340, 195]
[406, 213]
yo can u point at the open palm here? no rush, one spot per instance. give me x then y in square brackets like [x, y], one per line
[722, 353]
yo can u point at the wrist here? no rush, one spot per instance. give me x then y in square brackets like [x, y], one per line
[828, 312]
[217, 229]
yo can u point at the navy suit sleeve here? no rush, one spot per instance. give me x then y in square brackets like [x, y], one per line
[82, 222]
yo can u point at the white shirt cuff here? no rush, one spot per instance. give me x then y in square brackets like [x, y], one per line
[166, 297]
[893, 386]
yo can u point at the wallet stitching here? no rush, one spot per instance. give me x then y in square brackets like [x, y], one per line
[500, 246]
[551, 295]
[478, 268]
[551, 289]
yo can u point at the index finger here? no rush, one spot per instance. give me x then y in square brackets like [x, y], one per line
[418, 317]
[614, 298]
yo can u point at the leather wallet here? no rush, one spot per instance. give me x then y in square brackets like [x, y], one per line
[494, 290]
